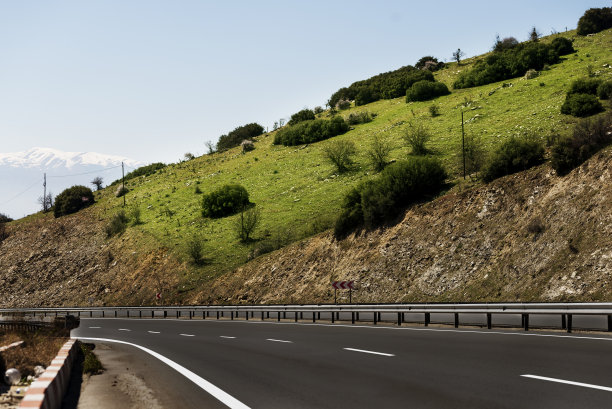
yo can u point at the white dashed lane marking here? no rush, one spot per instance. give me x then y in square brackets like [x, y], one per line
[365, 351]
[124, 329]
[279, 340]
[94, 327]
[584, 385]
[225, 336]
[153, 332]
[187, 335]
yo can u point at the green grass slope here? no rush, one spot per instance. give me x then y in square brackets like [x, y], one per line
[298, 191]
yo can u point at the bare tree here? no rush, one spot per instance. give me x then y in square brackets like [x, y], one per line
[378, 152]
[340, 153]
[97, 182]
[46, 202]
[212, 148]
[458, 55]
[247, 222]
[416, 136]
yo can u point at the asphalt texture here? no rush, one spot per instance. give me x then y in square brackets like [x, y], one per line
[288, 365]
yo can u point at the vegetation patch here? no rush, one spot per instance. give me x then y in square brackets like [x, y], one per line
[239, 134]
[311, 131]
[225, 201]
[72, 200]
[514, 155]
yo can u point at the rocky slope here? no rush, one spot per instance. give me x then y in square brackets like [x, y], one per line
[529, 236]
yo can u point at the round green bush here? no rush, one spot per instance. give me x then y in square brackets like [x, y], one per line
[604, 91]
[425, 90]
[595, 20]
[225, 201]
[562, 45]
[581, 105]
[513, 156]
[584, 86]
[72, 200]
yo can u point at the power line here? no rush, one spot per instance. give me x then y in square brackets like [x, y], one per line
[85, 173]
[19, 194]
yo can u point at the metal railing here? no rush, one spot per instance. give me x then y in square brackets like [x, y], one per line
[588, 316]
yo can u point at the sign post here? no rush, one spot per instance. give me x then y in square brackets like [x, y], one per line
[343, 285]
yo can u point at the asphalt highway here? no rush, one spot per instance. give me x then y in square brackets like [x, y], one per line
[285, 365]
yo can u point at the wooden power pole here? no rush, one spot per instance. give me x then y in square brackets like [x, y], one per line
[123, 183]
[463, 144]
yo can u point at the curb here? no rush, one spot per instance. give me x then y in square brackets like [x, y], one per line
[48, 390]
[13, 345]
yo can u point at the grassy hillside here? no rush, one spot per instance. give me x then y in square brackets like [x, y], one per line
[298, 191]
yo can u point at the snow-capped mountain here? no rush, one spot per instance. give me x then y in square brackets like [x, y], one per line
[21, 175]
[48, 158]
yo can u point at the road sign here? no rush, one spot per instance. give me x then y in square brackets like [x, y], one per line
[344, 285]
[158, 296]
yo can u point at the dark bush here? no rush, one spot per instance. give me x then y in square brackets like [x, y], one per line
[511, 63]
[4, 218]
[513, 156]
[303, 115]
[225, 201]
[429, 63]
[562, 45]
[235, 137]
[388, 85]
[584, 86]
[356, 118]
[505, 44]
[311, 131]
[581, 105]
[398, 185]
[195, 249]
[604, 90]
[146, 170]
[595, 20]
[588, 137]
[72, 200]
[425, 90]
[340, 153]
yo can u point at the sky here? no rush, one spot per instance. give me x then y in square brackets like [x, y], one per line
[152, 80]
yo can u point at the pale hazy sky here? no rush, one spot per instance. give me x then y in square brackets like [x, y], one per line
[153, 79]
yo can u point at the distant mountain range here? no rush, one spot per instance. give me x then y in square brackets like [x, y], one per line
[21, 175]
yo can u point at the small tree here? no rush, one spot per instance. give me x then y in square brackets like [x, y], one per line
[189, 156]
[475, 156]
[378, 152]
[72, 200]
[195, 249]
[458, 55]
[3, 232]
[212, 148]
[97, 182]
[4, 218]
[340, 153]
[46, 202]
[246, 223]
[534, 35]
[416, 136]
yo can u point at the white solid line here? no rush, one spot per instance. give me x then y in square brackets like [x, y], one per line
[187, 335]
[221, 395]
[94, 327]
[153, 332]
[368, 352]
[585, 385]
[225, 336]
[124, 329]
[279, 340]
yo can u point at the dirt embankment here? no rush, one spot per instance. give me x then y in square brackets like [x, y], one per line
[530, 236]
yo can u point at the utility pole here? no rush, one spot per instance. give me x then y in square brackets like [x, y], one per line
[123, 182]
[45, 193]
[463, 144]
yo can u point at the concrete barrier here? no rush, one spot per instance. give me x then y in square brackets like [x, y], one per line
[48, 390]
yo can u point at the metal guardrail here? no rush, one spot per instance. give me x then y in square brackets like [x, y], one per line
[558, 315]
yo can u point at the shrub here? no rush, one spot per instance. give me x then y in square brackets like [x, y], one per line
[604, 90]
[117, 224]
[513, 156]
[472, 152]
[303, 115]
[341, 154]
[588, 137]
[246, 223]
[195, 249]
[318, 110]
[429, 63]
[91, 363]
[3, 231]
[531, 74]
[135, 215]
[239, 134]
[425, 90]
[505, 44]
[511, 63]
[388, 85]
[355, 118]
[399, 185]
[4, 218]
[72, 200]
[416, 136]
[581, 105]
[225, 201]
[378, 152]
[247, 146]
[562, 45]
[344, 104]
[434, 110]
[311, 131]
[584, 86]
[595, 20]
[121, 190]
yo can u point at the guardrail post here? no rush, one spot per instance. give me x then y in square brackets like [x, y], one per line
[457, 320]
[301, 315]
[152, 314]
[278, 316]
[90, 314]
[609, 323]
[247, 316]
[128, 313]
[357, 315]
[262, 315]
[338, 315]
[284, 315]
[115, 313]
[165, 314]
[569, 322]
[204, 314]
[526, 322]
[352, 317]
[375, 316]
[314, 314]
[56, 313]
[489, 321]
[102, 313]
[267, 314]
[79, 314]
[296, 316]
[319, 316]
[190, 314]
[333, 317]
[563, 323]
[399, 318]
[427, 318]
[232, 314]
[139, 314]
[217, 314]
[379, 316]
